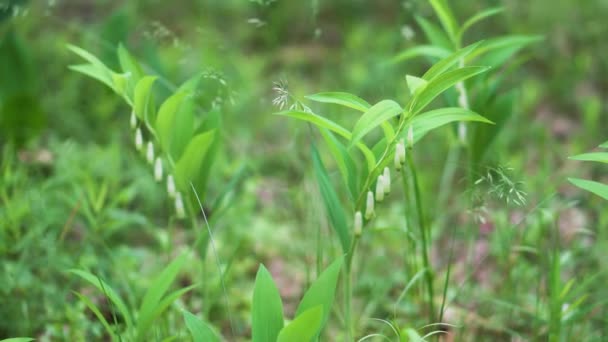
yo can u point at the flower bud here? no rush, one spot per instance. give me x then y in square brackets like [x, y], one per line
[150, 152]
[179, 206]
[133, 121]
[397, 162]
[401, 151]
[387, 180]
[369, 208]
[410, 137]
[158, 170]
[171, 186]
[358, 224]
[139, 139]
[380, 189]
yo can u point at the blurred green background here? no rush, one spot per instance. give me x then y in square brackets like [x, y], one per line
[75, 194]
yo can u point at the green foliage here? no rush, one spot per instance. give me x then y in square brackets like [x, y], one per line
[594, 187]
[267, 308]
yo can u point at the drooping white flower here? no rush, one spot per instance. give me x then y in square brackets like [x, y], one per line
[380, 189]
[158, 170]
[386, 177]
[150, 152]
[358, 224]
[171, 186]
[410, 137]
[369, 208]
[399, 151]
[133, 121]
[179, 206]
[139, 139]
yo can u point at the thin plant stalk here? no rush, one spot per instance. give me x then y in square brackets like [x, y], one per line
[424, 236]
[348, 290]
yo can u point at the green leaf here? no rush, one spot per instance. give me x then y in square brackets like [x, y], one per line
[446, 17]
[591, 186]
[448, 62]
[96, 69]
[426, 122]
[440, 84]
[97, 314]
[166, 118]
[601, 157]
[498, 50]
[108, 291]
[18, 339]
[346, 165]
[376, 115]
[477, 18]
[323, 122]
[333, 208]
[434, 34]
[267, 308]
[190, 166]
[199, 329]
[119, 83]
[304, 328]
[415, 83]
[129, 64]
[143, 103]
[604, 145]
[421, 50]
[343, 99]
[154, 295]
[322, 292]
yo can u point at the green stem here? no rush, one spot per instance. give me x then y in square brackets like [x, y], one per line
[348, 290]
[408, 222]
[424, 235]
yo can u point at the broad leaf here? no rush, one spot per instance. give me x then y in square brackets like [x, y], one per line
[304, 328]
[426, 122]
[143, 104]
[591, 186]
[129, 64]
[166, 119]
[415, 84]
[343, 99]
[333, 207]
[376, 115]
[440, 84]
[267, 308]
[601, 157]
[421, 51]
[450, 61]
[199, 330]
[322, 292]
[190, 165]
[345, 163]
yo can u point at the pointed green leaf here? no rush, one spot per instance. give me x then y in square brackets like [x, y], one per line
[166, 118]
[199, 329]
[601, 157]
[604, 145]
[421, 51]
[267, 308]
[440, 84]
[97, 314]
[323, 122]
[129, 64]
[346, 165]
[426, 122]
[446, 17]
[18, 339]
[106, 290]
[303, 328]
[434, 34]
[343, 99]
[448, 62]
[155, 294]
[190, 165]
[376, 115]
[333, 208]
[415, 83]
[322, 291]
[591, 186]
[97, 68]
[479, 17]
[143, 103]
[497, 50]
